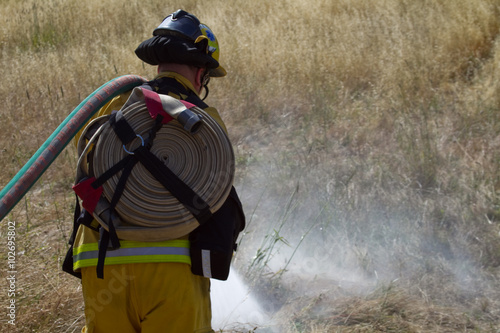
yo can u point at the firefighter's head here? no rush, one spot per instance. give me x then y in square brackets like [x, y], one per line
[182, 39]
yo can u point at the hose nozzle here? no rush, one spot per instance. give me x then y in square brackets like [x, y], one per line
[190, 120]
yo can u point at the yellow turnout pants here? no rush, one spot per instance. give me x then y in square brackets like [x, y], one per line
[146, 298]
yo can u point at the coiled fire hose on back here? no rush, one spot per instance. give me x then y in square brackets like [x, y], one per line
[147, 211]
[58, 140]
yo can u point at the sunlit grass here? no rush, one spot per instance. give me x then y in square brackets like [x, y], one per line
[380, 117]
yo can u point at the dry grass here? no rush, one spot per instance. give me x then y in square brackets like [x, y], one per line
[381, 117]
[382, 311]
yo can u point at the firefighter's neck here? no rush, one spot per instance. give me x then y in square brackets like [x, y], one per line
[192, 73]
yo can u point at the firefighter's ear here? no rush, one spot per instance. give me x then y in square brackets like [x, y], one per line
[199, 79]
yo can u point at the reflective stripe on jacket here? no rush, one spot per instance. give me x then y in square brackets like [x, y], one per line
[176, 250]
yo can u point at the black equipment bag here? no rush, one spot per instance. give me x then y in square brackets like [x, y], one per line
[213, 243]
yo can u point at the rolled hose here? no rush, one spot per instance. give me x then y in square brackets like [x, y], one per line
[146, 211]
[58, 140]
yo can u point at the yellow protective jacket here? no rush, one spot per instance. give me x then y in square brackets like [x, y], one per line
[86, 248]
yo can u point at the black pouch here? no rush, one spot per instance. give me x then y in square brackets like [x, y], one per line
[67, 265]
[81, 216]
[213, 243]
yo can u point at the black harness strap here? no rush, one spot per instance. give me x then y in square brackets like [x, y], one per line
[110, 235]
[111, 171]
[122, 128]
[192, 201]
[79, 217]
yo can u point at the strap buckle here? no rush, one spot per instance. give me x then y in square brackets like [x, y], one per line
[131, 152]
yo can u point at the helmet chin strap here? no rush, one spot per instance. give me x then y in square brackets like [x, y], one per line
[205, 81]
[206, 92]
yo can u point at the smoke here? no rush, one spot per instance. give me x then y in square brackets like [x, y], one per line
[234, 307]
[307, 239]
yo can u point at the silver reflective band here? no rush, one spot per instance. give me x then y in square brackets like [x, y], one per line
[205, 263]
[135, 251]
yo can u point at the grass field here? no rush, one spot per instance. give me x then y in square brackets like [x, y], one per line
[367, 141]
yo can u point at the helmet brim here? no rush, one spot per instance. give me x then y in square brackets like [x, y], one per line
[160, 49]
[218, 72]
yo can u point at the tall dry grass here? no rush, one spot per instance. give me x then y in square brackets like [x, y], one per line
[367, 139]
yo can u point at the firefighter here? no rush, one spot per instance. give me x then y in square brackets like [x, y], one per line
[148, 286]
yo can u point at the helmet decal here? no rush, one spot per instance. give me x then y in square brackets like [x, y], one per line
[213, 45]
[207, 32]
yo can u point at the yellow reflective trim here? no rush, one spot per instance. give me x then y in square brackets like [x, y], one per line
[85, 248]
[90, 250]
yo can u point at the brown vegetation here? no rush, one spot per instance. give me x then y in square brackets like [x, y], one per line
[367, 139]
